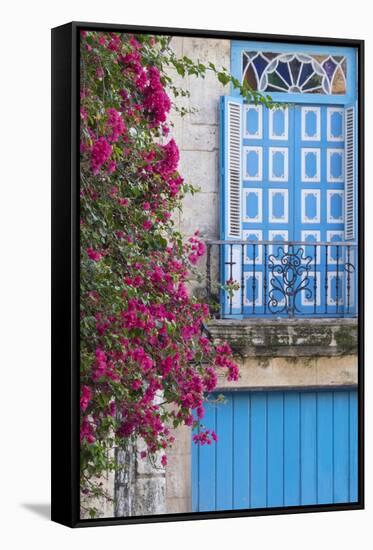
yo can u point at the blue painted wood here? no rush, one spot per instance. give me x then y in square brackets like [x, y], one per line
[291, 448]
[258, 450]
[292, 189]
[241, 446]
[353, 473]
[207, 467]
[308, 448]
[325, 447]
[274, 188]
[341, 447]
[224, 455]
[325, 229]
[230, 308]
[275, 450]
[278, 449]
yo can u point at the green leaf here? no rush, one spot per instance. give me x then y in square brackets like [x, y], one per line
[223, 78]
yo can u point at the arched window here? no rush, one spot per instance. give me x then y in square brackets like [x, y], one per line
[294, 72]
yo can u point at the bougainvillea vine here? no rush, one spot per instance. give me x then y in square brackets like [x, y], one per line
[145, 364]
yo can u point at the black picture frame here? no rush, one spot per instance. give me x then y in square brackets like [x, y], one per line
[65, 272]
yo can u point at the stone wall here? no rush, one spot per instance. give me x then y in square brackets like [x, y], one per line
[197, 136]
[139, 484]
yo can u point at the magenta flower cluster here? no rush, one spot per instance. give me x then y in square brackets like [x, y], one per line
[100, 153]
[156, 103]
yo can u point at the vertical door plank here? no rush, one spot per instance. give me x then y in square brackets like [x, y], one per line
[241, 446]
[325, 447]
[207, 465]
[353, 446]
[341, 446]
[308, 448]
[258, 450]
[291, 448]
[276, 449]
[224, 453]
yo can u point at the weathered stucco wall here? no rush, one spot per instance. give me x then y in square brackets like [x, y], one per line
[283, 337]
[197, 136]
[140, 484]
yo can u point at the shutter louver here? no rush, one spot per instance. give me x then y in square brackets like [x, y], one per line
[349, 194]
[231, 109]
[234, 116]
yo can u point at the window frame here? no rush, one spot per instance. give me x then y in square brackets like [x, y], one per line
[238, 47]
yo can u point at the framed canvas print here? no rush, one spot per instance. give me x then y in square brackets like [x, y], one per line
[207, 308]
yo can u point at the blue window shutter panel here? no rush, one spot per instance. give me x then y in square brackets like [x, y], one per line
[350, 173]
[231, 199]
[231, 169]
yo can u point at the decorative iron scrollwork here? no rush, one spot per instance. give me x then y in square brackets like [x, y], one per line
[289, 270]
[297, 279]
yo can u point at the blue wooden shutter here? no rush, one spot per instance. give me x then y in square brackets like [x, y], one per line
[230, 197]
[350, 174]
[350, 209]
[230, 161]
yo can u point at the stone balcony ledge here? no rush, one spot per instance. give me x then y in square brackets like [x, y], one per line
[280, 337]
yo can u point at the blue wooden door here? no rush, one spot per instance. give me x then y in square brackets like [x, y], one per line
[268, 196]
[293, 184]
[319, 199]
[278, 448]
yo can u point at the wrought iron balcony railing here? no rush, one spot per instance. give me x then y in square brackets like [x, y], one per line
[282, 278]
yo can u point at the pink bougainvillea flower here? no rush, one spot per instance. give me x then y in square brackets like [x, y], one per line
[85, 398]
[115, 125]
[170, 160]
[134, 43]
[100, 73]
[123, 201]
[136, 384]
[147, 224]
[197, 250]
[112, 409]
[111, 166]
[100, 153]
[156, 102]
[94, 255]
[86, 431]
[115, 42]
